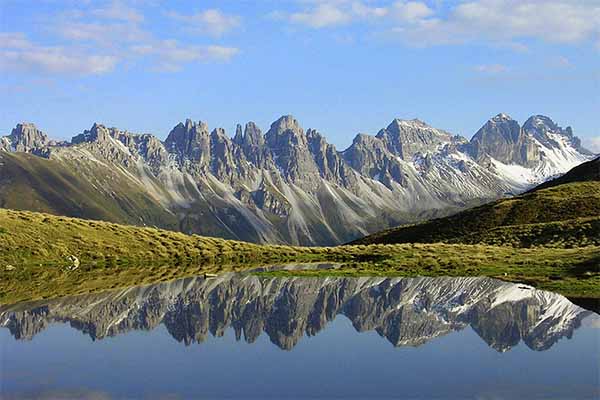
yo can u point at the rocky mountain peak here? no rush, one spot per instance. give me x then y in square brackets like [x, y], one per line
[251, 142]
[25, 137]
[218, 133]
[97, 133]
[286, 122]
[502, 117]
[289, 146]
[253, 135]
[415, 122]
[285, 131]
[189, 140]
[540, 122]
[502, 138]
[550, 135]
[238, 138]
[405, 138]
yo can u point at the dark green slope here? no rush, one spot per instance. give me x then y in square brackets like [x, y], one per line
[28, 182]
[564, 212]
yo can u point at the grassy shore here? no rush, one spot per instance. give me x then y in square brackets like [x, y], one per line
[36, 258]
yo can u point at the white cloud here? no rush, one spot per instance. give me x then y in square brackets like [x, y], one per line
[96, 40]
[47, 59]
[411, 11]
[104, 34]
[19, 54]
[492, 69]
[170, 55]
[327, 13]
[119, 11]
[503, 21]
[592, 144]
[363, 11]
[323, 15]
[212, 22]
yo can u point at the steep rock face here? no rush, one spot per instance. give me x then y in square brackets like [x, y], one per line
[546, 131]
[252, 144]
[407, 138]
[26, 138]
[289, 145]
[405, 311]
[371, 157]
[190, 141]
[332, 167]
[503, 139]
[289, 185]
[228, 162]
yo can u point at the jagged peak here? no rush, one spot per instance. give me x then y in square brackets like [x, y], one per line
[313, 134]
[415, 122]
[501, 117]
[252, 133]
[540, 121]
[285, 131]
[285, 123]
[364, 138]
[25, 124]
[238, 137]
[189, 125]
[25, 137]
[219, 133]
[22, 127]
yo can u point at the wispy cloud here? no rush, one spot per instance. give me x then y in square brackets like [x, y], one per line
[319, 14]
[104, 34]
[323, 15]
[96, 40]
[17, 53]
[498, 22]
[505, 21]
[212, 22]
[170, 55]
[118, 10]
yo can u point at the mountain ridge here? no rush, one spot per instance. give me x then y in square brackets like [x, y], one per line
[289, 185]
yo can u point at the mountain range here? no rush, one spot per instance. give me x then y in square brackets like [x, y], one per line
[287, 185]
[405, 311]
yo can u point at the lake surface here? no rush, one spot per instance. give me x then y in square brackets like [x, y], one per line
[250, 337]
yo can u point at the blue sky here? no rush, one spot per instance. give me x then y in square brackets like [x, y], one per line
[340, 66]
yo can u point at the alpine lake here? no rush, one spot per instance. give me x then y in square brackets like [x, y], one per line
[255, 336]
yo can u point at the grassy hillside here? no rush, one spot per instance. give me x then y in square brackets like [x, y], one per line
[35, 250]
[562, 213]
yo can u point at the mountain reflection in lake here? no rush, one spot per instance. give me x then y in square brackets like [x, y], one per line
[119, 362]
